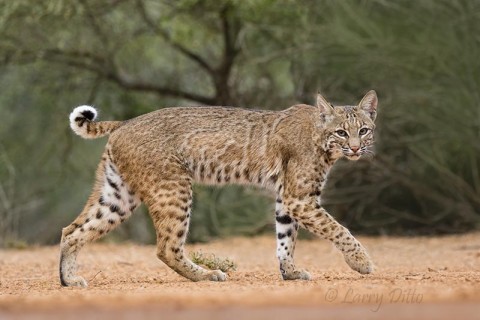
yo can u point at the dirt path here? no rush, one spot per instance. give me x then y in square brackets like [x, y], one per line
[439, 276]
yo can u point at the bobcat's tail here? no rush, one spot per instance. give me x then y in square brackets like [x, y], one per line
[82, 122]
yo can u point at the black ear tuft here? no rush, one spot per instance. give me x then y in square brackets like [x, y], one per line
[88, 114]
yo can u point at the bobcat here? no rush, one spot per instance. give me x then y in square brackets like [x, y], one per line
[156, 157]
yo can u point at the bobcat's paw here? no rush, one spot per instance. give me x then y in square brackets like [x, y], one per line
[216, 275]
[296, 275]
[75, 281]
[360, 262]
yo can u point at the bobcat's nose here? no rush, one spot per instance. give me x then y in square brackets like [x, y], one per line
[354, 148]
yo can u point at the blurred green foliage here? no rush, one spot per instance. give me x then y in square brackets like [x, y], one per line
[132, 57]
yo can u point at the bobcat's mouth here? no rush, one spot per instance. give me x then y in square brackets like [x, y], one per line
[350, 154]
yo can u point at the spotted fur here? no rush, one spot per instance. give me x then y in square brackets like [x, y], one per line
[155, 159]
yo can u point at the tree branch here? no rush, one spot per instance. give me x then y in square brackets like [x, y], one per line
[76, 54]
[92, 63]
[164, 34]
[93, 22]
[230, 52]
[147, 87]
[229, 40]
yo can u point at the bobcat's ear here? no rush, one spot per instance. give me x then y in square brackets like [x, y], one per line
[322, 104]
[369, 104]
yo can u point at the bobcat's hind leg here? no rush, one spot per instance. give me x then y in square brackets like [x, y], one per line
[110, 203]
[287, 229]
[169, 201]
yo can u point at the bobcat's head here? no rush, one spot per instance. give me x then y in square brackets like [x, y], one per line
[348, 130]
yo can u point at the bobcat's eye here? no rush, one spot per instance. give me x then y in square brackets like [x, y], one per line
[342, 133]
[363, 131]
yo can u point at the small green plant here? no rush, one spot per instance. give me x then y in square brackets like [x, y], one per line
[212, 262]
[16, 244]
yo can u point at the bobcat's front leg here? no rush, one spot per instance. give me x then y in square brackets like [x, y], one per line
[317, 220]
[287, 228]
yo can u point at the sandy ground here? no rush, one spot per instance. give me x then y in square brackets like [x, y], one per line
[415, 278]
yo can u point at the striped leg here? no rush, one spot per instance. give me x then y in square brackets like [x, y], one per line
[287, 229]
[112, 202]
